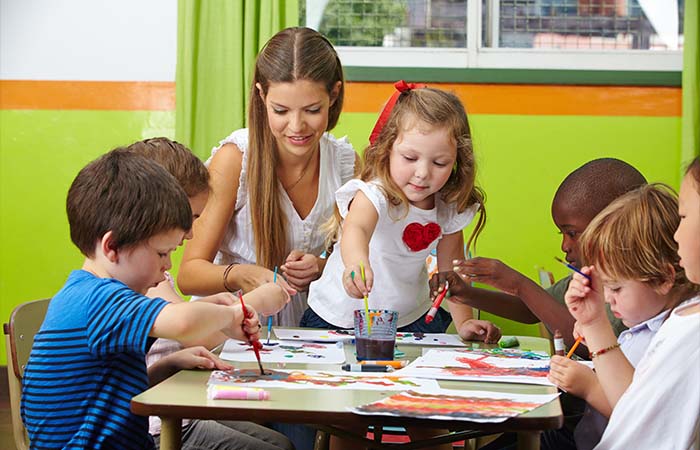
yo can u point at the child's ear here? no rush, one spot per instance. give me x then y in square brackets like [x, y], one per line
[108, 247]
[665, 287]
[335, 92]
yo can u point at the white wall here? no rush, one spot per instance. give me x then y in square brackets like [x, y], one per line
[101, 40]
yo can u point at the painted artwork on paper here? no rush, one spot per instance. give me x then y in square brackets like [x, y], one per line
[473, 406]
[418, 338]
[312, 379]
[478, 366]
[311, 335]
[285, 352]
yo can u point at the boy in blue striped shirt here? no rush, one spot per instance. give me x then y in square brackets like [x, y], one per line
[126, 215]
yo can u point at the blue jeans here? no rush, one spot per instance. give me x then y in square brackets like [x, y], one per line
[439, 324]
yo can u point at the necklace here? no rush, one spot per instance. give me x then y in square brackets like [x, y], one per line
[303, 172]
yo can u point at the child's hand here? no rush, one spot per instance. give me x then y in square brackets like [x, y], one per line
[223, 298]
[244, 328]
[196, 358]
[579, 333]
[584, 297]
[300, 269]
[267, 299]
[437, 282]
[479, 330]
[571, 376]
[489, 271]
[352, 280]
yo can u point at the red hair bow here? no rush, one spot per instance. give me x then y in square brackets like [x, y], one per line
[401, 87]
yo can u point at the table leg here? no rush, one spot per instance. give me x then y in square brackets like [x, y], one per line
[170, 433]
[528, 440]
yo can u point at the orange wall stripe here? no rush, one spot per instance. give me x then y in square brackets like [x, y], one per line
[536, 99]
[88, 95]
[361, 97]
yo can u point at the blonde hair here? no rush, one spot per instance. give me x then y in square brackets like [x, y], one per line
[290, 55]
[438, 109]
[632, 239]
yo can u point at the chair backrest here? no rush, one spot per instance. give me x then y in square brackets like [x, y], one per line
[25, 321]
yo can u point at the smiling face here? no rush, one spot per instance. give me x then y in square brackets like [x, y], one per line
[633, 301]
[297, 114]
[141, 266]
[688, 233]
[421, 162]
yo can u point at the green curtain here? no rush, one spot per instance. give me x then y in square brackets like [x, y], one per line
[217, 44]
[690, 134]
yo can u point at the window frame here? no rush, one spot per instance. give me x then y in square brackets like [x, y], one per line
[661, 65]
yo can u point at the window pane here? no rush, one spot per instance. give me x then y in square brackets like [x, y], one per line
[389, 23]
[584, 24]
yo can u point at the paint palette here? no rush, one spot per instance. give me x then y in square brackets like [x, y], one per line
[285, 352]
[312, 335]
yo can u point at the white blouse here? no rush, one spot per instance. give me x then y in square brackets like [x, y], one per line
[337, 165]
[400, 275]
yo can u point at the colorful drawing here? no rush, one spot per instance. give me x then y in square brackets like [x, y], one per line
[479, 366]
[288, 334]
[285, 352]
[310, 379]
[418, 338]
[498, 352]
[474, 406]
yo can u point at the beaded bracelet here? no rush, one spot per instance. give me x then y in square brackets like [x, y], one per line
[226, 271]
[604, 350]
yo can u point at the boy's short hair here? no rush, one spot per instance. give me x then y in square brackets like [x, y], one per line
[177, 159]
[632, 238]
[128, 194]
[595, 184]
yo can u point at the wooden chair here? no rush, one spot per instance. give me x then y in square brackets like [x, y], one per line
[19, 338]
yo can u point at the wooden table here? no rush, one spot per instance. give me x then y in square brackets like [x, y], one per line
[184, 396]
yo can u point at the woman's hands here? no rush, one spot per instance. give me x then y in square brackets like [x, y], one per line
[300, 269]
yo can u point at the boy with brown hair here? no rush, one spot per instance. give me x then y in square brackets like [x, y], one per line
[126, 215]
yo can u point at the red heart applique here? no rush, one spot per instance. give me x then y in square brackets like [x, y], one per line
[418, 237]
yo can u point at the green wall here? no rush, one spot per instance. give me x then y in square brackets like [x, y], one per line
[521, 161]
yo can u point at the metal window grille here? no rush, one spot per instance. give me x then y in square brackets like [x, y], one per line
[538, 24]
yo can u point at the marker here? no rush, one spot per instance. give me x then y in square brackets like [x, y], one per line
[236, 393]
[573, 347]
[366, 368]
[572, 267]
[436, 304]
[396, 364]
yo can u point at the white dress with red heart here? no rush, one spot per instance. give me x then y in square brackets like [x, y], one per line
[397, 254]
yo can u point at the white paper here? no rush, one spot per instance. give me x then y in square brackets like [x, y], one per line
[284, 352]
[319, 379]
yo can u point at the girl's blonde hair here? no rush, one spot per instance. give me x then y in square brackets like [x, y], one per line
[437, 109]
[632, 239]
[290, 55]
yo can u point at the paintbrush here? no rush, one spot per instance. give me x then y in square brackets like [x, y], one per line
[369, 319]
[572, 267]
[573, 347]
[255, 343]
[269, 319]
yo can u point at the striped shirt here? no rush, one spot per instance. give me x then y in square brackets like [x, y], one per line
[87, 362]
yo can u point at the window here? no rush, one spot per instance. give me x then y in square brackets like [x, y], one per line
[523, 34]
